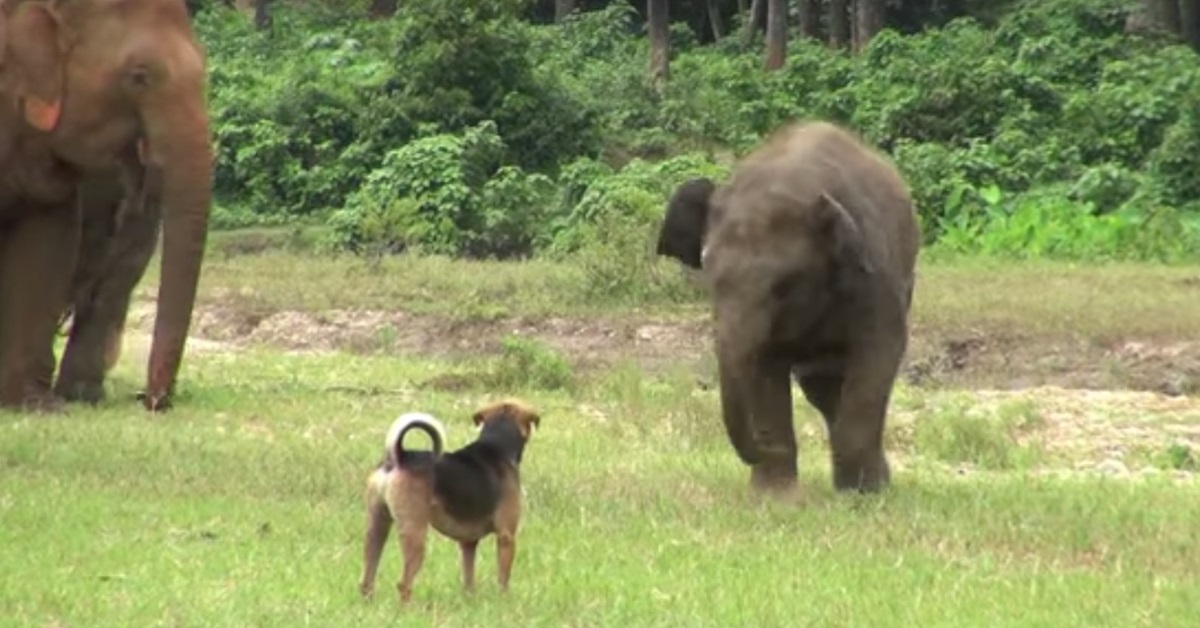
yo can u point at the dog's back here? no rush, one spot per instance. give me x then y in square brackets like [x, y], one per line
[469, 482]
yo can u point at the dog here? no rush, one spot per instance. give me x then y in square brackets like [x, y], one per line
[465, 494]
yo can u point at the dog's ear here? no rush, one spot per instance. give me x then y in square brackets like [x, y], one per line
[531, 419]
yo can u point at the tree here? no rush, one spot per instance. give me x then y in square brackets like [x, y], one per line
[868, 21]
[660, 43]
[381, 9]
[750, 21]
[563, 8]
[713, 9]
[1163, 14]
[809, 14]
[262, 14]
[776, 34]
[839, 23]
[1189, 22]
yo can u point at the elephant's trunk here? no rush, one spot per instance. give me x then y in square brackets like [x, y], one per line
[179, 144]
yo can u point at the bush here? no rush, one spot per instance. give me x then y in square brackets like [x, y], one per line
[446, 194]
[460, 128]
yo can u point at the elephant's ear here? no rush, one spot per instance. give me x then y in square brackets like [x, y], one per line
[844, 238]
[686, 222]
[34, 58]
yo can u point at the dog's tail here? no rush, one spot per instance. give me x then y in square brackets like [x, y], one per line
[394, 442]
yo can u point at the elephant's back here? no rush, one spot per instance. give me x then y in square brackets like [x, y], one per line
[814, 158]
[863, 179]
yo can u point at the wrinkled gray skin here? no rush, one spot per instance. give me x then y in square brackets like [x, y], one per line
[809, 251]
[120, 232]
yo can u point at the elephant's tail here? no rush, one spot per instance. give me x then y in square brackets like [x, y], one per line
[394, 442]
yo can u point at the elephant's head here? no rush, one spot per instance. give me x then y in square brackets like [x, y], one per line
[775, 264]
[118, 82]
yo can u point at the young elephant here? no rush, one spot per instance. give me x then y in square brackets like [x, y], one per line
[809, 250]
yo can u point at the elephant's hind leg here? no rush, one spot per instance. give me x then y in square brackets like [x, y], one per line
[823, 392]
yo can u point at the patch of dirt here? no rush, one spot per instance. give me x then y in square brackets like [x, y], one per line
[975, 359]
[1122, 433]
[949, 358]
[591, 341]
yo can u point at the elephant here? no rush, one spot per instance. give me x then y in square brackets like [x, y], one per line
[808, 251]
[94, 86]
[120, 232]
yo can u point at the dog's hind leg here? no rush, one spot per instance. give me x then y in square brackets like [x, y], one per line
[379, 521]
[467, 549]
[411, 503]
[412, 539]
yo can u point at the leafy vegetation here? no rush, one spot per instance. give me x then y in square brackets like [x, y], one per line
[466, 130]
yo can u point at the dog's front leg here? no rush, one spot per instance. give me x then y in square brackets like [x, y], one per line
[467, 549]
[506, 549]
[378, 522]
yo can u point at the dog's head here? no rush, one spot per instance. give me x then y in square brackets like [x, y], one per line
[515, 411]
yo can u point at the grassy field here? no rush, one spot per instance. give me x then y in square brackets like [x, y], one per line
[1014, 505]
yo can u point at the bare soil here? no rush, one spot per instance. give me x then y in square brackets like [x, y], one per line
[958, 358]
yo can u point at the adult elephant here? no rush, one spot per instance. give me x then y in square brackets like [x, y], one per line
[809, 250]
[91, 85]
[120, 231]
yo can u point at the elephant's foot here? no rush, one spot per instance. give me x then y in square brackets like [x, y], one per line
[83, 391]
[35, 399]
[869, 474]
[775, 475]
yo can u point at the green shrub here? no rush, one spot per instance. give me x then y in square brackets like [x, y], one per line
[1089, 138]
[446, 194]
[530, 363]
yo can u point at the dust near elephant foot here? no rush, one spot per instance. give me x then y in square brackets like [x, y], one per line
[40, 402]
[869, 476]
[775, 477]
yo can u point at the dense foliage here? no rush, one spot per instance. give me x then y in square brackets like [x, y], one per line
[458, 129]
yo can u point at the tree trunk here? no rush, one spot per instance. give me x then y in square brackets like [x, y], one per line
[776, 34]
[751, 21]
[868, 21]
[262, 14]
[839, 23]
[381, 9]
[713, 8]
[810, 18]
[1164, 14]
[563, 8]
[1189, 22]
[660, 43]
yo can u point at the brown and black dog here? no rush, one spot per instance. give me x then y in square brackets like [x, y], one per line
[465, 494]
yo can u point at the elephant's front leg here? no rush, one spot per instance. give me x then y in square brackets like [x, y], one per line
[774, 431]
[36, 264]
[101, 310]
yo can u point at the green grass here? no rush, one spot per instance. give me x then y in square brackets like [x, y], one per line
[242, 508]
